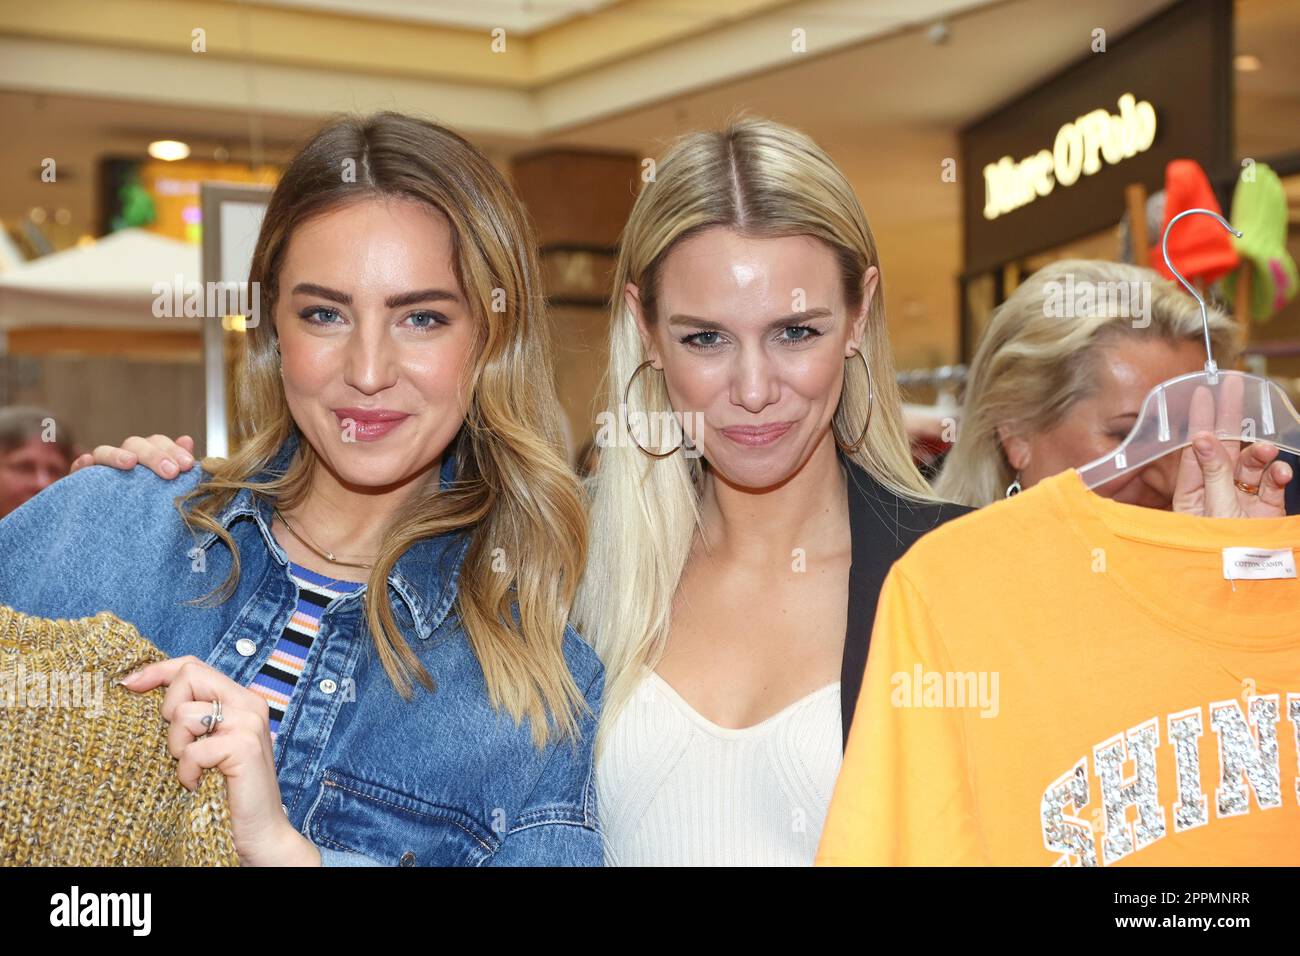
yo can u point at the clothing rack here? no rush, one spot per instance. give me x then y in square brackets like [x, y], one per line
[928, 423]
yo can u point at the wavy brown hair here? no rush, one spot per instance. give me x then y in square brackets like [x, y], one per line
[513, 490]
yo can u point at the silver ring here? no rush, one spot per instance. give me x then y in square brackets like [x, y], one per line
[216, 717]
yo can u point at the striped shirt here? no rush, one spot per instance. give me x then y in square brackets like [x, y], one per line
[280, 673]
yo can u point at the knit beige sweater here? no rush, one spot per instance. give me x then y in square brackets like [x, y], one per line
[85, 775]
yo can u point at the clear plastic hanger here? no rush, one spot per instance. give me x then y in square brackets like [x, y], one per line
[1235, 406]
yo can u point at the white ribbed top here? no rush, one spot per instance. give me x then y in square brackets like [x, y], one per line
[675, 789]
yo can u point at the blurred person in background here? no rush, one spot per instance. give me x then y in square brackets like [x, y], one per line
[1047, 392]
[35, 451]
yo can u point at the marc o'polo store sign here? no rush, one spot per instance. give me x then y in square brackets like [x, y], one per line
[1079, 149]
[1052, 166]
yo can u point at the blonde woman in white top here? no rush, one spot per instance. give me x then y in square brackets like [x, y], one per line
[732, 584]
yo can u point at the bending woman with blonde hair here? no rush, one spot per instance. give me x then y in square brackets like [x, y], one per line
[1047, 392]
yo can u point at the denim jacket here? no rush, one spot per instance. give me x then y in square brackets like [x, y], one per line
[369, 778]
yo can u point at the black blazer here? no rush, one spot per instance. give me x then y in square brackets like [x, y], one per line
[883, 526]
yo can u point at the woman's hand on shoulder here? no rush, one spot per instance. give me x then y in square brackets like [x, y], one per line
[164, 457]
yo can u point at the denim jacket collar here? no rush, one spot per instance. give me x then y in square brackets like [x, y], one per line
[425, 577]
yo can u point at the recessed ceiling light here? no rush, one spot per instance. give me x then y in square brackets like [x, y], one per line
[1246, 62]
[168, 149]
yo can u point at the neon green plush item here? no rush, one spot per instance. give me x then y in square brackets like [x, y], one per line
[1259, 211]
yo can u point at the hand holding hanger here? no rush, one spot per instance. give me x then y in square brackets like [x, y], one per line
[1230, 408]
[1220, 478]
[1210, 480]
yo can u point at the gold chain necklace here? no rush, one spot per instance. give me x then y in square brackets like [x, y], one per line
[327, 555]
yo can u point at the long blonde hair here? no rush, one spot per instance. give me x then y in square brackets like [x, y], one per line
[764, 180]
[1033, 364]
[513, 490]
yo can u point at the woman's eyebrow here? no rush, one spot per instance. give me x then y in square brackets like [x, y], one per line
[421, 295]
[794, 318]
[311, 288]
[392, 302]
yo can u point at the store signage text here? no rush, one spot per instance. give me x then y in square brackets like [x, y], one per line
[1079, 150]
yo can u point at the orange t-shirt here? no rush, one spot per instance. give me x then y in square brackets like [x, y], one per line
[1063, 679]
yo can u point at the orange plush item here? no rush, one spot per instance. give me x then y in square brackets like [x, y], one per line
[1199, 247]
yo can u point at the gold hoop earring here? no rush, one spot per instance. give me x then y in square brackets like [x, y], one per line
[871, 404]
[686, 444]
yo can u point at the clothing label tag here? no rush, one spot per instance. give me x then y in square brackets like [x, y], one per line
[1257, 564]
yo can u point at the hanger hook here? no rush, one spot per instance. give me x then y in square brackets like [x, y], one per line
[1210, 365]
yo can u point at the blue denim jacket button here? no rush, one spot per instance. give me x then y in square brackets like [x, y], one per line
[408, 859]
[328, 686]
[246, 647]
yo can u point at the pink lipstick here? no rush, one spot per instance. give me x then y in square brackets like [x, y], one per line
[754, 436]
[370, 424]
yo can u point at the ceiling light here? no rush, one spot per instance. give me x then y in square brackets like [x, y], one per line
[168, 149]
